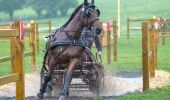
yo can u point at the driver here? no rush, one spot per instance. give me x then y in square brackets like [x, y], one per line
[89, 38]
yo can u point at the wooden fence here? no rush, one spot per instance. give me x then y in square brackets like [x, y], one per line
[17, 56]
[105, 40]
[129, 27]
[38, 31]
[30, 30]
[161, 24]
[163, 32]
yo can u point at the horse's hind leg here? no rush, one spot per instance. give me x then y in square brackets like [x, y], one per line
[47, 78]
[49, 86]
[67, 80]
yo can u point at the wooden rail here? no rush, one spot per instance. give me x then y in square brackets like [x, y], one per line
[162, 32]
[129, 20]
[8, 34]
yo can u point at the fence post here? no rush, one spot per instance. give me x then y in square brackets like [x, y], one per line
[101, 35]
[13, 50]
[108, 43]
[32, 40]
[163, 38]
[50, 26]
[37, 37]
[145, 55]
[115, 41]
[152, 45]
[20, 84]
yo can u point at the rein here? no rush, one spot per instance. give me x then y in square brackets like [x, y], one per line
[91, 23]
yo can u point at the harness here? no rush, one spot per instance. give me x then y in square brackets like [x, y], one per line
[68, 43]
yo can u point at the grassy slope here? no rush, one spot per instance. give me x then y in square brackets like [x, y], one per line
[129, 8]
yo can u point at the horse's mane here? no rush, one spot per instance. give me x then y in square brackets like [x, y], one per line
[72, 15]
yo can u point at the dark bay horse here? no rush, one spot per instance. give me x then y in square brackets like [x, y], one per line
[67, 47]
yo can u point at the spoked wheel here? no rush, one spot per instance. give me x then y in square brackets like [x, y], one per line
[98, 82]
[58, 81]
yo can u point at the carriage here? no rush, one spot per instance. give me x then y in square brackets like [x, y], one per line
[88, 75]
[64, 54]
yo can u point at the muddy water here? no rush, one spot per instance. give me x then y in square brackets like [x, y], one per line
[122, 83]
[115, 84]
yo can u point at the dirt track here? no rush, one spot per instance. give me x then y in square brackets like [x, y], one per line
[70, 98]
[115, 84]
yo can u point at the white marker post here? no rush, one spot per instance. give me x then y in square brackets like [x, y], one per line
[118, 11]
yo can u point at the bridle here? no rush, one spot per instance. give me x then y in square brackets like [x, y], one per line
[89, 23]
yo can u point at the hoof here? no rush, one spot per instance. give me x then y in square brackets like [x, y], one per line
[39, 96]
[49, 88]
[62, 97]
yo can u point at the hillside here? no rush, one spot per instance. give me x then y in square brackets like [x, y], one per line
[129, 8]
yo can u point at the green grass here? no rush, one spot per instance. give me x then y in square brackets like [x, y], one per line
[158, 94]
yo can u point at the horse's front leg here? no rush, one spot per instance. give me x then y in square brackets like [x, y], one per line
[67, 80]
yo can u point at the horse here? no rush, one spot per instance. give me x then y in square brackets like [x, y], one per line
[67, 47]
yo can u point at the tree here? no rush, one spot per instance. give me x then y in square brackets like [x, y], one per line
[65, 5]
[39, 6]
[45, 8]
[51, 9]
[9, 6]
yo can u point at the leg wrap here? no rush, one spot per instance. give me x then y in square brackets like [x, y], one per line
[67, 82]
[46, 80]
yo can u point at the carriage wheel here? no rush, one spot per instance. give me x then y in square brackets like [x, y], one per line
[58, 81]
[98, 83]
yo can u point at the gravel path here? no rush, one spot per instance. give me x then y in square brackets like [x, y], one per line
[116, 84]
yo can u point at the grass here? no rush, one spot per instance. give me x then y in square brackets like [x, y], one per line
[158, 94]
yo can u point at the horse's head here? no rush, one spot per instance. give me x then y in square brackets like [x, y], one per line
[90, 16]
